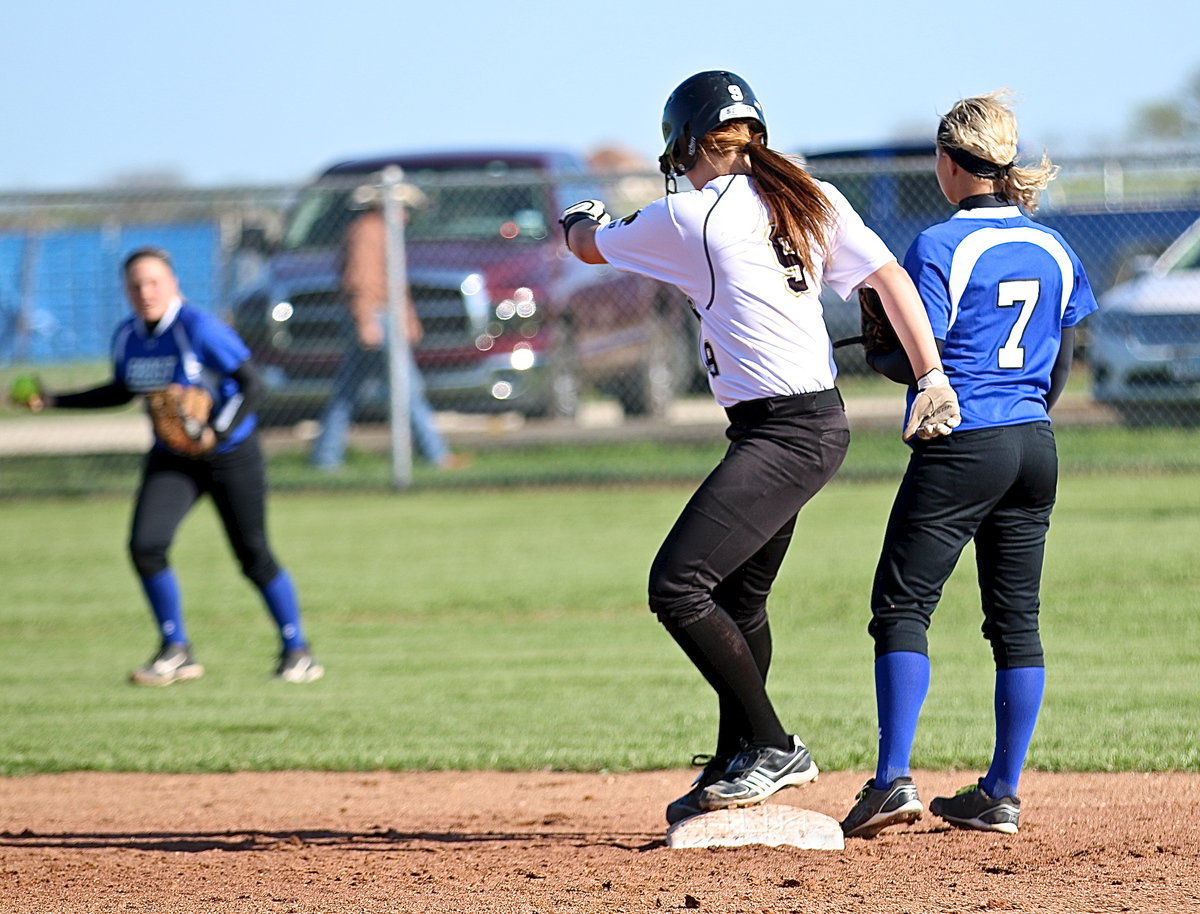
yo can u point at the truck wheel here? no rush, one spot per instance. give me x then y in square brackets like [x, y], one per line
[664, 372]
[560, 394]
[563, 387]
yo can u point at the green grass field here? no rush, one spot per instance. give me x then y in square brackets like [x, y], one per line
[506, 628]
[874, 455]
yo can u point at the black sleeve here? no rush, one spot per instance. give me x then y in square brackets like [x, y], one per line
[1062, 367]
[895, 365]
[250, 395]
[113, 393]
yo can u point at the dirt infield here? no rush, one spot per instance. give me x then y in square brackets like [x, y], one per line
[319, 843]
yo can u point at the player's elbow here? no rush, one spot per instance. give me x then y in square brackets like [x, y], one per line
[891, 281]
[591, 256]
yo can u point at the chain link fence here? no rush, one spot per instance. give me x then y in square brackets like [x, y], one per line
[538, 366]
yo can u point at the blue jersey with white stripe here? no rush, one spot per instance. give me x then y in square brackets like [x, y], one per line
[186, 347]
[998, 288]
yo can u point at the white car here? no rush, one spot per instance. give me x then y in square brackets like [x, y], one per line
[1144, 343]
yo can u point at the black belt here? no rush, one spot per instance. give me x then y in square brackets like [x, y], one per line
[751, 412]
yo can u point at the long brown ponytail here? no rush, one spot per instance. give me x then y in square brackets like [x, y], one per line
[800, 214]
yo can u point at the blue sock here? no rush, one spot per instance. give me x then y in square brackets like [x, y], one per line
[1018, 701]
[162, 590]
[280, 596]
[901, 683]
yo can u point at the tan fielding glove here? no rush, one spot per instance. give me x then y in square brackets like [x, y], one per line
[935, 409]
[180, 415]
[878, 337]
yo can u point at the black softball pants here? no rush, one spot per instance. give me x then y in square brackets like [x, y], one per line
[996, 486]
[711, 578]
[728, 543]
[171, 485]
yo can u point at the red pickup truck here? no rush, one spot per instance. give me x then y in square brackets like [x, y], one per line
[511, 320]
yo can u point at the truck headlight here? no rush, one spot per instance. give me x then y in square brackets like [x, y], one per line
[520, 304]
[522, 357]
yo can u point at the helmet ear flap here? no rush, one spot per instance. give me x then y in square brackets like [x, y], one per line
[692, 149]
[680, 155]
[684, 151]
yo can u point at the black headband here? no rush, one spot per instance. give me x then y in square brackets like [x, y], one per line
[981, 168]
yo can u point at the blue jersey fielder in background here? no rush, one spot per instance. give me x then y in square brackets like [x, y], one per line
[1003, 295]
[186, 347]
[999, 288]
[165, 342]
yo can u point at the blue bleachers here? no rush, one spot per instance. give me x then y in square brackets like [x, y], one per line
[67, 282]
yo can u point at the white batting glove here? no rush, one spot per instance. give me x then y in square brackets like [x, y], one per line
[585, 209]
[935, 410]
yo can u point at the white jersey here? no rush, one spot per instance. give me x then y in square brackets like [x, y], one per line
[762, 329]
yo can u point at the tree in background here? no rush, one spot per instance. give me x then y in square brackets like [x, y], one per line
[1172, 120]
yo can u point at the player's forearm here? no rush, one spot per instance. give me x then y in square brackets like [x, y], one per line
[112, 394]
[894, 366]
[908, 318]
[1062, 367]
[580, 222]
[581, 240]
[241, 405]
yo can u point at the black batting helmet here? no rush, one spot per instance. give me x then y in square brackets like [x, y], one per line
[697, 105]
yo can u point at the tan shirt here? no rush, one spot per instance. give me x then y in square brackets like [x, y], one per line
[364, 276]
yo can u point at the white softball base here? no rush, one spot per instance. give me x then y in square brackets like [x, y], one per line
[771, 824]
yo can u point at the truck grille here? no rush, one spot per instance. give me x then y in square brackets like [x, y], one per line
[443, 314]
[316, 326]
[318, 323]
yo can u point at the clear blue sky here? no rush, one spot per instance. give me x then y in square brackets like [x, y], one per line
[266, 91]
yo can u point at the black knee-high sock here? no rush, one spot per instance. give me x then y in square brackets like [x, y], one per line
[724, 657]
[759, 642]
[731, 729]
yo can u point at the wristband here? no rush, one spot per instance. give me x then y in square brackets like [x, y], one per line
[935, 377]
[571, 220]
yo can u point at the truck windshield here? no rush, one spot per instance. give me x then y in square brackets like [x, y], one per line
[457, 210]
[318, 219]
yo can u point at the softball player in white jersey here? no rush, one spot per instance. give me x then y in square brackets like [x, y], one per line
[751, 246]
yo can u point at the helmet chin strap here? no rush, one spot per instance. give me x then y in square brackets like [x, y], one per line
[666, 164]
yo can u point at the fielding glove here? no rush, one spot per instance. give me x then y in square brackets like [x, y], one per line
[180, 416]
[878, 337]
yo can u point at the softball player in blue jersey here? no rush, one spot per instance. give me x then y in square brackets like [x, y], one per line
[751, 246]
[166, 341]
[1003, 295]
